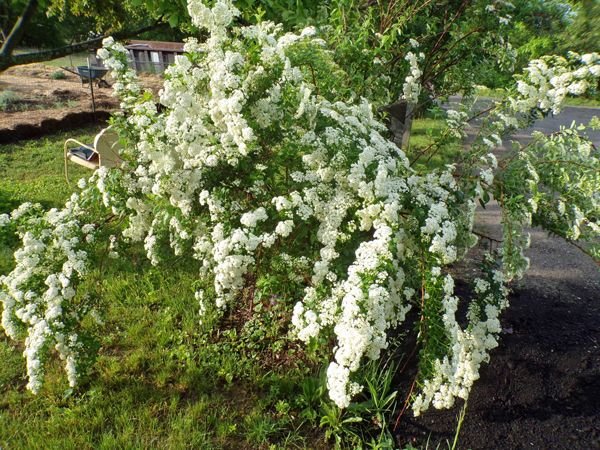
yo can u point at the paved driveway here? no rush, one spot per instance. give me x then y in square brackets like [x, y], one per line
[556, 266]
[568, 115]
[550, 124]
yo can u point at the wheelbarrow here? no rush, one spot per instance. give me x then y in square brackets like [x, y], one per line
[88, 74]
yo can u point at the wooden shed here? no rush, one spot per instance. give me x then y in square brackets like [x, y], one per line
[153, 56]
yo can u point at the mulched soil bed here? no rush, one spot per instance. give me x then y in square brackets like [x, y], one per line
[69, 121]
[43, 105]
[541, 389]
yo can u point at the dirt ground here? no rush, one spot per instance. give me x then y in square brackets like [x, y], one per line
[40, 97]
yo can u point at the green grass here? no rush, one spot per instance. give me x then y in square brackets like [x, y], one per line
[58, 75]
[74, 60]
[160, 380]
[582, 101]
[77, 59]
[143, 393]
[34, 171]
[425, 132]
[9, 100]
[486, 92]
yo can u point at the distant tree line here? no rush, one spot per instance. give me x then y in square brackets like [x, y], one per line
[459, 42]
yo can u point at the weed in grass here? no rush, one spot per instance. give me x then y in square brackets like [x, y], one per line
[260, 427]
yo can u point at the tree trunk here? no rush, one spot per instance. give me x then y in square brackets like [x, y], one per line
[410, 111]
[400, 117]
[17, 31]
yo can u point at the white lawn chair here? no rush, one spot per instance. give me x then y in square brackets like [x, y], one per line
[104, 152]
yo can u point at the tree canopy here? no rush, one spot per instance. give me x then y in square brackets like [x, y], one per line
[461, 40]
[59, 28]
[583, 33]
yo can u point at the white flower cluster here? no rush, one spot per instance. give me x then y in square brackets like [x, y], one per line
[548, 80]
[412, 82]
[247, 164]
[115, 57]
[456, 122]
[36, 296]
[347, 178]
[455, 374]
[497, 8]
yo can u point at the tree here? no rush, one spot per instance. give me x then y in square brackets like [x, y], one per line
[583, 32]
[77, 25]
[445, 45]
[462, 42]
[371, 39]
[41, 29]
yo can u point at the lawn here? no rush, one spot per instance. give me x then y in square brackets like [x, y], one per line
[160, 381]
[423, 152]
[74, 60]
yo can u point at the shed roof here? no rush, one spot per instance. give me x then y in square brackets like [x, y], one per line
[158, 46]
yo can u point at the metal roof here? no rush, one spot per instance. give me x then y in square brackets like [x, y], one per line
[157, 46]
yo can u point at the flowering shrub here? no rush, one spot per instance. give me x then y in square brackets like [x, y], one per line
[254, 163]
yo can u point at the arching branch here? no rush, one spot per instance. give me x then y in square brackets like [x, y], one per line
[10, 60]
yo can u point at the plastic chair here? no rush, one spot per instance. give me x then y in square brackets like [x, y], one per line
[104, 152]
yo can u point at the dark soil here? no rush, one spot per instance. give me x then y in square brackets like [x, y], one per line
[541, 389]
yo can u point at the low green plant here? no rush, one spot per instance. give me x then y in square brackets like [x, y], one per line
[9, 100]
[460, 421]
[365, 423]
[260, 427]
[58, 75]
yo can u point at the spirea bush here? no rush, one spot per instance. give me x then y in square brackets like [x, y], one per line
[258, 164]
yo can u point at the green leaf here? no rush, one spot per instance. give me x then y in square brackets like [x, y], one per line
[352, 420]
[173, 20]
[486, 197]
